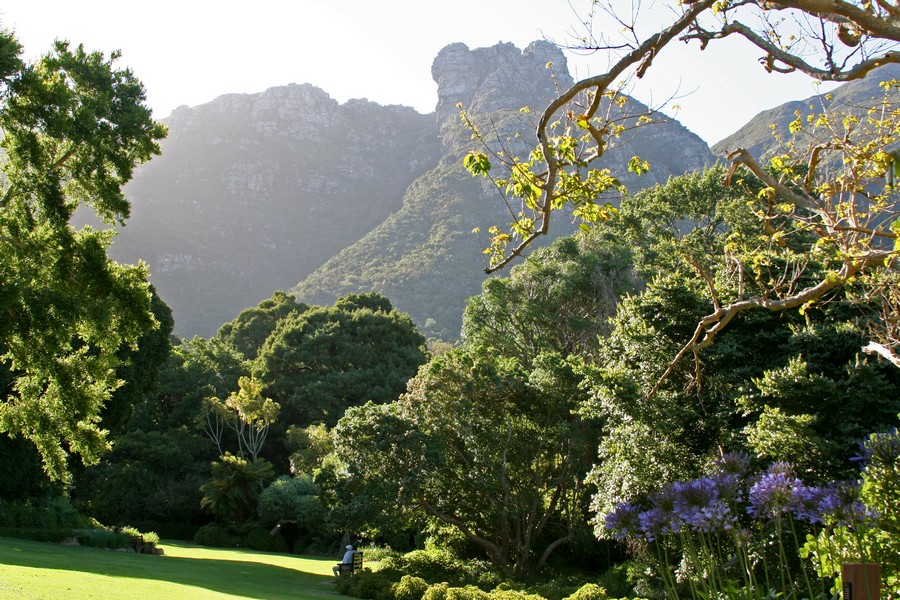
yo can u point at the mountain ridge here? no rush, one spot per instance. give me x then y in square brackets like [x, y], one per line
[290, 189]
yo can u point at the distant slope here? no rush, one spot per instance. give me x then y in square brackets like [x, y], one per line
[425, 256]
[255, 191]
[756, 135]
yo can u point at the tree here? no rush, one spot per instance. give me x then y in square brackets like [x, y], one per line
[246, 413]
[786, 386]
[249, 330]
[140, 369]
[74, 128]
[319, 362]
[232, 495]
[841, 207]
[482, 446]
[148, 475]
[558, 300]
[196, 369]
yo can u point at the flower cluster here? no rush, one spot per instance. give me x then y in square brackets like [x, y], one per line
[703, 505]
[773, 494]
[713, 504]
[881, 448]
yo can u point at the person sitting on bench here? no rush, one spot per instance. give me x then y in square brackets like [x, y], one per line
[346, 564]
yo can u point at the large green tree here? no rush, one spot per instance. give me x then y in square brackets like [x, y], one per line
[249, 330]
[196, 369]
[74, 127]
[483, 446]
[319, 362]
[558, 300]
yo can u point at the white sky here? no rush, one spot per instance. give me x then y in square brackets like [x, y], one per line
[190, 52]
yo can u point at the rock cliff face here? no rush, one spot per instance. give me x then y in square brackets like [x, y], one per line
[502, 77]
[256, 192]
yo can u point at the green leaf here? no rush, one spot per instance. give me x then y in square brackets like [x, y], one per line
[638, 166]
[477, 163]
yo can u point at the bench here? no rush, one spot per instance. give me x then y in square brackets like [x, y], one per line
[355, 566]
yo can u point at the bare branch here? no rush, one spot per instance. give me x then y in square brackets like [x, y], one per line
[838, 11]
[742, 156]
[597, 85]
[712, 324]
[775, 54]
[883, 351]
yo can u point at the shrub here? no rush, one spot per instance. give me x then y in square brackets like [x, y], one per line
[469, 592]
[616, 580]
[589, 591]
[409, 588]
[435, 565]
[149, 539]
[436, 592]
[375, 553]
[169, 531]
[216, 535]
[365, 584]
[259, 538]
[38, 535]
[291, 499]
[102, 538]
[48, 513]
[509, 594]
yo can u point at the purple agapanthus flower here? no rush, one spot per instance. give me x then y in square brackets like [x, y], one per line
[733, 463]
[728, 486]
[773, 494]
[624, 521]
[808, 503]
[881, 448]
[692, 498]
[714, 518]
[840, 505]
[661, 518]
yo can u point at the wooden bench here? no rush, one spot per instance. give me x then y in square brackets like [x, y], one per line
[355, 566]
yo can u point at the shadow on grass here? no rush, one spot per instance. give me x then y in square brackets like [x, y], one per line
[234, 577]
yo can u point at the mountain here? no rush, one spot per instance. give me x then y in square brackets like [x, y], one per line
[425, 256]
[259, 192]
[254, 191]
[756, 136]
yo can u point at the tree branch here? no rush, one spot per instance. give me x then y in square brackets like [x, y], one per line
[883, 351]
[712, 324]
[642, 56]
[775, 53]
[839, 11]
[742, 157]
[492, 548]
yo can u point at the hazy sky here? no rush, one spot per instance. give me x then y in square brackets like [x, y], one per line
[189, 52]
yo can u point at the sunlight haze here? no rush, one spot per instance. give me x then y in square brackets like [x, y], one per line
[191, 52]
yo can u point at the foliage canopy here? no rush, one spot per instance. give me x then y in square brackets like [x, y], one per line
[74, 127]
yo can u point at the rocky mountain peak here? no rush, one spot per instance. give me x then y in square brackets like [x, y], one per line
[497, 78]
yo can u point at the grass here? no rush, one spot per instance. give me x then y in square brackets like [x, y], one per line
[35, 570]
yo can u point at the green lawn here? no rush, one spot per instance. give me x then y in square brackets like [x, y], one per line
[33, 570]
